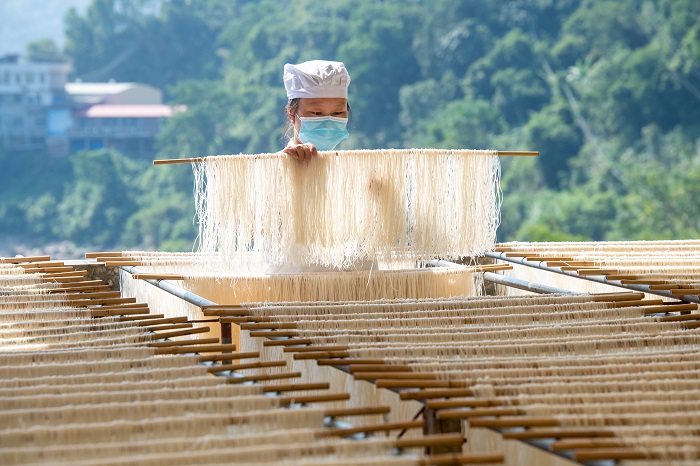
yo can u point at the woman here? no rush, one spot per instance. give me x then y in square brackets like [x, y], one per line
[317, 107]
[317, 111]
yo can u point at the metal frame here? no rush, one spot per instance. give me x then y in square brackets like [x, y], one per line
[594, 278]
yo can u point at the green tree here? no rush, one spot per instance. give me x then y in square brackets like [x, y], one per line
[97, 203]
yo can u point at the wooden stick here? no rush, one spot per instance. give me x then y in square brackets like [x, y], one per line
[170, 344]
[684, 291]
[121, 263]
[68, 287]
[664, 287]
[273, 333]
[619, 296]
[321, 355]
[461, 403]
[92, 255]
[348, 362]
[458, 458]
[571, 263]
[260, 377]
[288, 342]
[392, 376]
[681, 318]
[98, 294]
[380, 368]
[310, 349]
[99, 312]
[288, 400]
[213, 311]
[293, 387]
[531, 434]
[229, 356]
[592, 272]
[142, 319]
[161, 327]
[21, 259]
[608, 454]
[243, 319]
[503, 153]
[641, 302]
[412, 383]
[492, 267]
[165, 320]
[671, 308]
[268, 326]
[376, 428]
[429, 393]
[203, 348]
[125, 306]
[571, 444]
[622, 277]
[157, 276]
[519, 421]
[428, 441]
[641, 282]
[359, 411]
[95, 302]
[478, 412]
[240, 367]
[116, 259]
[548, 258]
[42, 264]
[180, 333]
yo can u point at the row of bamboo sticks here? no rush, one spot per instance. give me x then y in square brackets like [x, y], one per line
[454, 398]
[166, 337]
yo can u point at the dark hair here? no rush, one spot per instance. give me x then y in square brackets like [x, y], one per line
[288, 128]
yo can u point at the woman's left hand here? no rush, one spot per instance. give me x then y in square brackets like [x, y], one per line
[301, 151]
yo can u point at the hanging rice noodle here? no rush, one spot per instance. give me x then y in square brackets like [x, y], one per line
[348, 206]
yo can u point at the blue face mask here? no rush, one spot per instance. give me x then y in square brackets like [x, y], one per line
[323, 132]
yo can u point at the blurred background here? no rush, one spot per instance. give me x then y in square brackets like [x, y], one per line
[91, 91]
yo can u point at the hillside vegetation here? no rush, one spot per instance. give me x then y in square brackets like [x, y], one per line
[607, 90]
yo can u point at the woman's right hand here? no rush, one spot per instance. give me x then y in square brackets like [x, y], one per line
[300, 151]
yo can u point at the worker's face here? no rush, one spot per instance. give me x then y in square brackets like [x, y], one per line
[318, 107]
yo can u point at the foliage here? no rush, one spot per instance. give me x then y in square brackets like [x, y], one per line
[607, 90]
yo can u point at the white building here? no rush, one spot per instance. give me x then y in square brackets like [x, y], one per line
[27, 91]
[40, 110]
[122, 116]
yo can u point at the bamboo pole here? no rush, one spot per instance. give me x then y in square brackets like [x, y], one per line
[261, 377]
[203, 348]
[341, 432]
[556, 433]
[479, 412]
[347, 362]
[288, 342]
[176, 343]
[392, 376]
[293, 387]
[305, 399]
[459, 458]
[157, 276]
[358, 411]
[20, 259]
[430, 393]
[596, 454]
[321, 354]
[430, 441]
[504, 153]
[240, 367]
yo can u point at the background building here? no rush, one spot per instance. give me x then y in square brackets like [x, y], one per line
[40, 110]
[29, 91]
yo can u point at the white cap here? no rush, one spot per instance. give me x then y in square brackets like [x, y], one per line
[316, 78]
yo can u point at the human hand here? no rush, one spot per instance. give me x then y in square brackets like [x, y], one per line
[301, 151]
